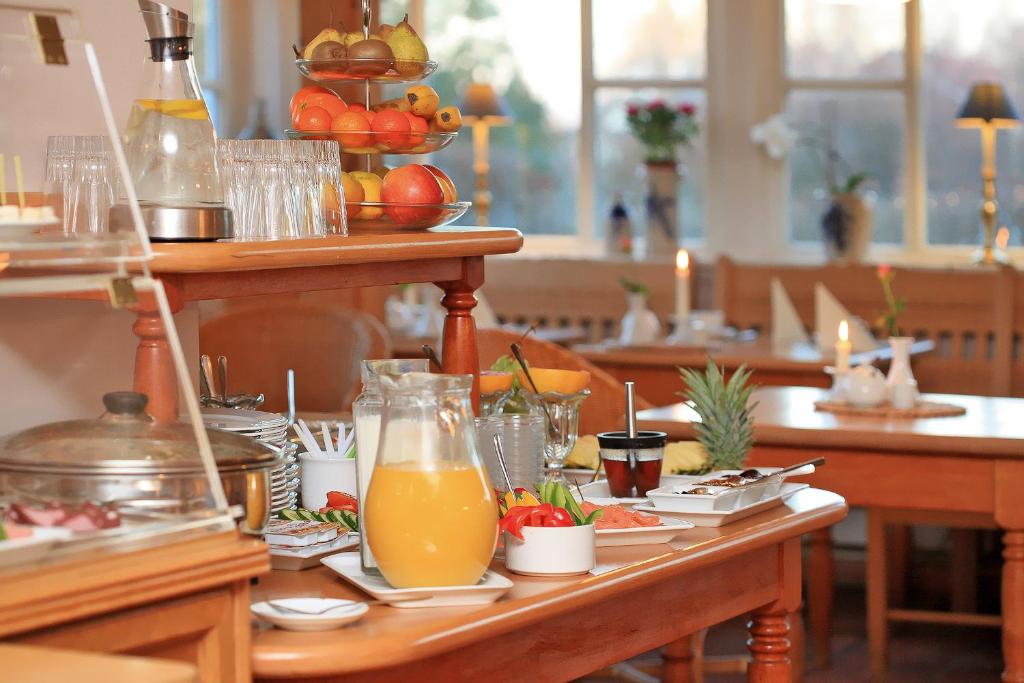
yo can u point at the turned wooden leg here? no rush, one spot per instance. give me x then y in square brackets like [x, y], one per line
[877, 589]
[769, 646]
[154, 366]
[681, 660]
[820, 592]
[459, 354]
[1013, 606]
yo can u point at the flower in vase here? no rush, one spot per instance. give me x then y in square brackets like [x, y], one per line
[775, 136]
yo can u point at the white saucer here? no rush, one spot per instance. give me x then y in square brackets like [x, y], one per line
[345, 612]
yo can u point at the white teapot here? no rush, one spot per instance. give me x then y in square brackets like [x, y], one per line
[866, 387]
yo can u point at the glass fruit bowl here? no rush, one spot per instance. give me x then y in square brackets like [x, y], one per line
[358, 142]
[398, 216]
[327, 71]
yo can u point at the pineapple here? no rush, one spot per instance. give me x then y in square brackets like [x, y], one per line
[727, 427]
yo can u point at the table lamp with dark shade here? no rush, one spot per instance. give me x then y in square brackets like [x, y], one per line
[482, 108]
[988, 108]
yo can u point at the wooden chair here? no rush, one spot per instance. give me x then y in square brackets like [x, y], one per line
[557, 293]
[323, 343]
[603, 411]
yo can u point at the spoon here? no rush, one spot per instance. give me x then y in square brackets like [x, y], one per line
[501, 461]
[315, 613]
[291, 396]
[431, 355]
[207, 366]
[518, 353]
[631, 431]
[222, 373]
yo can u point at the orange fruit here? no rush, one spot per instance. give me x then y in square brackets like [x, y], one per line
[492, 381]
[392, 128]
[353, 192]
[313, 118]
[555, 380]
[329, 101]
[302, 94]
[420, 128]
[352, 129]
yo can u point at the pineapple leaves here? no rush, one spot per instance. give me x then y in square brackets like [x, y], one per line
[726, 430]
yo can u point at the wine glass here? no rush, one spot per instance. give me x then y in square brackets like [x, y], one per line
[561, 421]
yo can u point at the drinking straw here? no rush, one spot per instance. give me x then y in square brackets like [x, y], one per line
[310, 445]
[309, 435]
[328, 444]
[17, 179]
[3, 180]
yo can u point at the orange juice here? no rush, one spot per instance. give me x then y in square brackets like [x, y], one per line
[431, 527]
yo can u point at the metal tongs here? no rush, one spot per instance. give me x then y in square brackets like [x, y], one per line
[799, 469]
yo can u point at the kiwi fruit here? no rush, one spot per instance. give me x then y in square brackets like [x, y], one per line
[370, 58]
[329, 50]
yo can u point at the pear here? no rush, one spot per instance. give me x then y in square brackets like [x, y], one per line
[328, 34]
[408, 49]
[385, 30]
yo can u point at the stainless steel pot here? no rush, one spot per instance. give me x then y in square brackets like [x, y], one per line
[143, 467]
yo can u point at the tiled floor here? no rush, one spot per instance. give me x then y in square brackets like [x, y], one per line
[918, 653]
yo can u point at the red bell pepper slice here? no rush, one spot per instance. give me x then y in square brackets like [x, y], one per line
[559, 517]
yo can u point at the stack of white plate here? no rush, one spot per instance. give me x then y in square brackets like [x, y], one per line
[271, 429]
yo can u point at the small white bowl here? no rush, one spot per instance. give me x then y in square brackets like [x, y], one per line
[551, 551]
[320, 474]
[675, 499]
[344, 612]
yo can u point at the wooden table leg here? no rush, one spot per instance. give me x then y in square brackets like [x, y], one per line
[877, 592]
[459, 353]
[681, 660]
[769, 645]
[1013, 606]
[820, 594]
[154, 365]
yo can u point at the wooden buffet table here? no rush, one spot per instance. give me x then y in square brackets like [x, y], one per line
[185, 600]
[550, 629]
[655, 368]
[28, 664]
[965, 471]
[450, 257]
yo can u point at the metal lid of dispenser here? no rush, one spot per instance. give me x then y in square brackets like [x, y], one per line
[164, 21]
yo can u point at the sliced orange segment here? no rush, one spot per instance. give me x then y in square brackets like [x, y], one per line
[556, 380]
[492, 381]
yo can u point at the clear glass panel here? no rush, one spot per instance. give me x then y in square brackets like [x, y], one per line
[844, 40]
[533, 161]
[649, 38]
[866, 129]
[962, 47]
[618, 161]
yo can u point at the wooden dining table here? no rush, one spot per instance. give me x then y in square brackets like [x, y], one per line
[965, 471]
[655, 369]
[637, 598]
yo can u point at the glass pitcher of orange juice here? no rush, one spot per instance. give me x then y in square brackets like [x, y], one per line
[431, 514]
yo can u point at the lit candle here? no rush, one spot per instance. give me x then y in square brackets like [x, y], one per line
[682, 287]
[843, 347]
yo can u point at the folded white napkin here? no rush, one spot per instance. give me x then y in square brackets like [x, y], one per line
[787, 329]
[828, 313]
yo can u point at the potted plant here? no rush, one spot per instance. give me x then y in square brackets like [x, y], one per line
[847, 223]
[640, 324]
[662, 129]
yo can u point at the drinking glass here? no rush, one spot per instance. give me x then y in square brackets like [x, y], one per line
[561, 414]
[93, 186]
[60, 164]
[523, 446]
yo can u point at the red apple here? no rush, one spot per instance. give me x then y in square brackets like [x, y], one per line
[411, 184]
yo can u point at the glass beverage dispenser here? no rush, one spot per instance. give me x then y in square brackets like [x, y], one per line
[170, 142]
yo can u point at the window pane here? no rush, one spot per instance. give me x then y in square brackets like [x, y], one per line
[825, 40]
[649, 38]
[534, 161]
[962, 47]
[618, 162]
[866, 129]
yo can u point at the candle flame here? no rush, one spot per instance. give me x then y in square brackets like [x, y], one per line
[1002, 237]
[682, 260]
[844, 331]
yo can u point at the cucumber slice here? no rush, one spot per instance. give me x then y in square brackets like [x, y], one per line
[308, 514]
[293, 515]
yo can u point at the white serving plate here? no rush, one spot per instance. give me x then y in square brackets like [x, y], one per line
[345, 612]
[669, 529]
[297, 559]
[25, 550]
[716, 518]
[722, 498]
[491, 587]
[233, 420]
[597, 492]
[580, 476]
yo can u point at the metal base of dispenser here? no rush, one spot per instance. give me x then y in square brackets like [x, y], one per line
[178, 223]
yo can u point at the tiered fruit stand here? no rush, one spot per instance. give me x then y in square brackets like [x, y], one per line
[332, 74]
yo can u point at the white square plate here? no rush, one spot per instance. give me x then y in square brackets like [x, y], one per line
[491, 587]
[722, 517]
